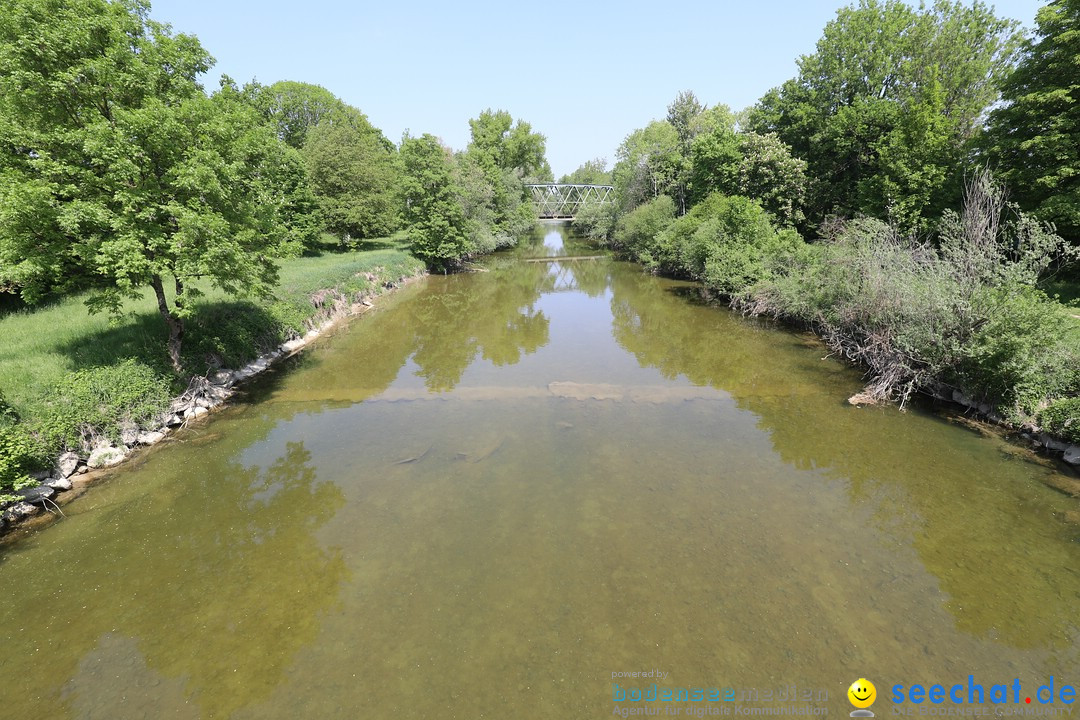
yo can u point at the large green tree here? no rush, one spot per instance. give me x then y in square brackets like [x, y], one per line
[679, 157]
[648, 165]
[714, 161]
[769, 173]
[115, 162]
[433, 212]
[499, 142]
[509, 154]
[683, 115]
[884, 110]
[351, 165]
[354, 173]
[761, 167]
[1035, 136]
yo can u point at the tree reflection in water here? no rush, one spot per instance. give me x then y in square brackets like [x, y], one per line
[238, 578]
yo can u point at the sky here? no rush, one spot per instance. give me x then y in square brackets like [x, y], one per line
[585, 73]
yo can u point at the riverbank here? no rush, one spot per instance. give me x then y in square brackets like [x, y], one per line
[1037, 429]
[59, 358]
[965, 322]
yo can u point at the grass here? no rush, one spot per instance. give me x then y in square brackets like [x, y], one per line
[43, 345]
[1067, 291]
[329, 267]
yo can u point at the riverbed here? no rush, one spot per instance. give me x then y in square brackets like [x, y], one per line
[501, 492]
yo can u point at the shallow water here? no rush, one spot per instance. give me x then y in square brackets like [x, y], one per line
[498, 489]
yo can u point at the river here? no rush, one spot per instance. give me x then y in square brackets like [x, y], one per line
[497, 490]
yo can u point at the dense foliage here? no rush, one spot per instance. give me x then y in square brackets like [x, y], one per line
[293, 109]
[1035, 135]
[459, 205]
[433, 213]
[352, 168]
[868, 152]
[962, 310]
[727, 242]
[354, 174]
[884, 110]
[119, 165]
[102, 400]
[1062, 418]
[84, 405]
[19, 453]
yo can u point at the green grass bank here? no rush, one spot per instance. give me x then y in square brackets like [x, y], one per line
[68, 377]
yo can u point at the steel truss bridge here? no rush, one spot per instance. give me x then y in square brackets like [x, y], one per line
[562, 200]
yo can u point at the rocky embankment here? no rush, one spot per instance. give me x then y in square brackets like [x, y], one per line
[203, 395]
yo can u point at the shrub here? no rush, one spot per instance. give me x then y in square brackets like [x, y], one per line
[1018, 355]
[725, 242]
[1062, 418]
[597, 222]
[963, 311]
[636, 232]
[19, 453]
[99, 401]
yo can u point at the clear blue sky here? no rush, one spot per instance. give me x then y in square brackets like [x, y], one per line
[584, 73]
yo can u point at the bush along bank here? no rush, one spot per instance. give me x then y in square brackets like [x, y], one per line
[957, 316]
[98, 417]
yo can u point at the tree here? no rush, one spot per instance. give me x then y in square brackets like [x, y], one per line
[1035, 137]
[769, 173]
[433, 214]
[294, 108]
[890, 91]
[510, 154]
[756, 166]
[499, 142]
[476, 195]
[351, 164]
[591, 172]
[714, 162]
[56, 79]
[118, 163]
[354, 174]
[682, 115]
[712, 119]
[920, 163]
[647, 164]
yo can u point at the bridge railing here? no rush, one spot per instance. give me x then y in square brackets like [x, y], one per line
[562, 200]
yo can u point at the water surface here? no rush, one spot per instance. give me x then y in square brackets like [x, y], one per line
[497, 489]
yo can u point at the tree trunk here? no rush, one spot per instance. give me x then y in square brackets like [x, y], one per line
[176, 324]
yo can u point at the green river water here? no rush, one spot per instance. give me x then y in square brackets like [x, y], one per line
[498, 489]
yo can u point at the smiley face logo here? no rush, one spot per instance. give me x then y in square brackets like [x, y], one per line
[862, 693]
